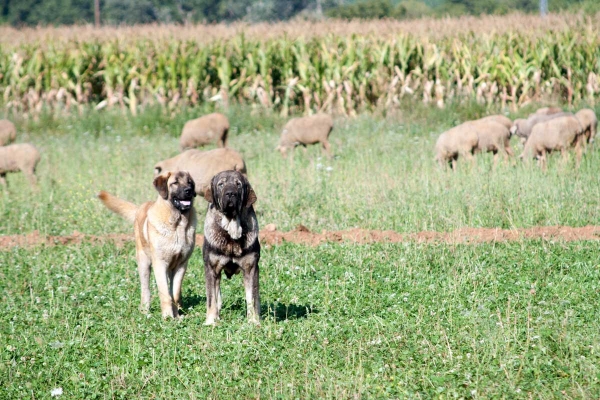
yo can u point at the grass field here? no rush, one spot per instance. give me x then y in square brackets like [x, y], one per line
[383, 175]
[514, 320]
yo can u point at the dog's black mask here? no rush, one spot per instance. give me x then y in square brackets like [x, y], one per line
[178, 188]
[230, 192]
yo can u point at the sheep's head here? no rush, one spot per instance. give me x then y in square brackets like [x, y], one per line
[516, 128]
[282, 149]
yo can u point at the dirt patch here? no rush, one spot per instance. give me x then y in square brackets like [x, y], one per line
[302, 235]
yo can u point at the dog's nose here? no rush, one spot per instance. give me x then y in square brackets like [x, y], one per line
[229, 194]
[188, 191]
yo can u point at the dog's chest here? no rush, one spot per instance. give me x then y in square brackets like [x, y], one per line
[176, 241]
[225, 245]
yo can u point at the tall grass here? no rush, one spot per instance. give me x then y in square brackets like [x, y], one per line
[382, 177]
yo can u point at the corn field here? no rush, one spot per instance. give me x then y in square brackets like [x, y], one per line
[338, 73]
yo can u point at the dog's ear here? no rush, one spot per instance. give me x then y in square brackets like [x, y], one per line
[208, 196]
[251, 197]
[160, 184]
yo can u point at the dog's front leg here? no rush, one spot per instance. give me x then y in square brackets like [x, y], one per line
[176, 280]
[167, 306]
[213, 294]
[252, 294]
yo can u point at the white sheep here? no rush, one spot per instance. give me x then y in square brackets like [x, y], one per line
[306, 130]
[557, 134]
[460, 141]
[22, 157]
[203, 165]
[8, 132]
[205, 130]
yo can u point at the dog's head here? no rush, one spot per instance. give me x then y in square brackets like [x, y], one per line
[230, 192]
[176, 187]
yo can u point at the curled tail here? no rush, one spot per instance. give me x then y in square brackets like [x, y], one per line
[124, 208]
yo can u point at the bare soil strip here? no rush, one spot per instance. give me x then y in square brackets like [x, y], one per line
[302, 235]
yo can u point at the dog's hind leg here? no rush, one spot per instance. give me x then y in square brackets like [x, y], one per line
[144, 262]
[213, 295]
[167, 306]
[252, 294]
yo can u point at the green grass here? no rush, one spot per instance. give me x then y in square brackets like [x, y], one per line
[383, 175]
[515, 320]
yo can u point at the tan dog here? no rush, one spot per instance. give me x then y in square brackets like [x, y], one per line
[230, 241]
[165, 236]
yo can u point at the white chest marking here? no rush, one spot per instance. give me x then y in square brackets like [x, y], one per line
[232, 226]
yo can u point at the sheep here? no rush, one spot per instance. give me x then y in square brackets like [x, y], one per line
[523, 127]
[203, 165]
[493, 137]
[461, 141]
[501, 119]
[547, 111]
[22, 157]
[204, 130]
[557, 134]
[306, 130]
[8, 132]
[589, 122]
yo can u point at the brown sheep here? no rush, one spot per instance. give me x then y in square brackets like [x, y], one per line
[523, 127]
[203, 165]
[547, 111]
[306, 130]
[205, 130]
[589, 122]
[493, 137]
[22, 157]
[558, 134]
[8, 132]
[501, 119]
[460, 141]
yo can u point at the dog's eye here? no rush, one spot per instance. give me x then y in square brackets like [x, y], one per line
[220, 185]
[239, 184]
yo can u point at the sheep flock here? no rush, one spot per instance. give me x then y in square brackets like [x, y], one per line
[549, 129]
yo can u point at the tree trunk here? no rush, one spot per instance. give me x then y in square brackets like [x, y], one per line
[97, 13]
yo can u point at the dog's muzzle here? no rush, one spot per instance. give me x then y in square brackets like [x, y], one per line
[184, 203]
[230, 202]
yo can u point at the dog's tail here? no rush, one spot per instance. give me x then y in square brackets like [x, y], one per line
[124, 208]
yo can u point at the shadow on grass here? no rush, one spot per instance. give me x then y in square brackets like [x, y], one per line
[277, 311]
[283, 312]
[192, 301]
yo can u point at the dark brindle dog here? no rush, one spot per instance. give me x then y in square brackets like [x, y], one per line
[230, 241]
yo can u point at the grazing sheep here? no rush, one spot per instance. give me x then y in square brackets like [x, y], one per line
[501, 119]
[306, 130]
[205, 130]
[523, 127]
[589, 122]
[547, 111]
[8, 132]
[461, 141]
[19, 157]
[557, 134]
[493, 137]
[203, 165]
